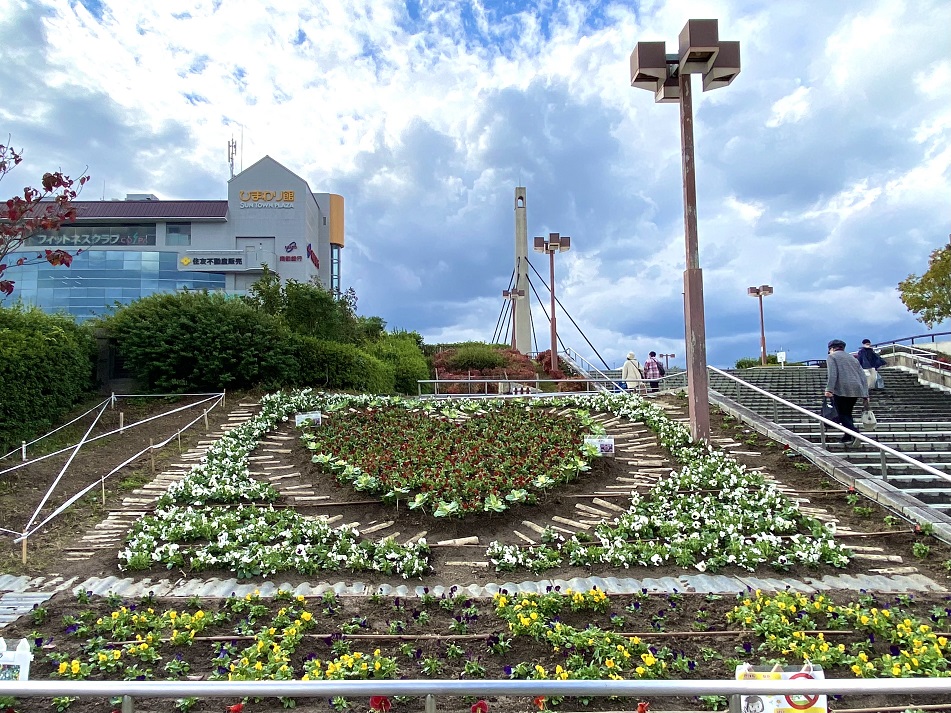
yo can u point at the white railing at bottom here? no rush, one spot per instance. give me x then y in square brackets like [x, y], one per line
[430, 689]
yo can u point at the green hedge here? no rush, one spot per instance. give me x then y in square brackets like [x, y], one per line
[332, 365]
[401, 351]
[47, 364]
[203, 341]
[476, 356]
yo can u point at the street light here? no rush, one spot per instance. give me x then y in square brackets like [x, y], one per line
[761, 292]
[668, 75]
[665, 357]
[512, 296]
[554, 244]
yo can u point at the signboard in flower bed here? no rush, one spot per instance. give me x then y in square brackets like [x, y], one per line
[313, 416]
[603, 444]
[779, 704]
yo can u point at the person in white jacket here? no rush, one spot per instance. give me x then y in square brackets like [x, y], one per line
[631, 372]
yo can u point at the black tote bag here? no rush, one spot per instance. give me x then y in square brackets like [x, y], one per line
[828, 410]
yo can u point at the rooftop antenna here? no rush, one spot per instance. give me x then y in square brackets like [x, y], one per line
[231, 149]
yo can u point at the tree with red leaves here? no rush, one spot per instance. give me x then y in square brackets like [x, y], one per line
[37, 209]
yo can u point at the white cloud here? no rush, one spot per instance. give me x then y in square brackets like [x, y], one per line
[820, 170]
[790, 109]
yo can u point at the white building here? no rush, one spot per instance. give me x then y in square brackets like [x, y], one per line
[124, 250]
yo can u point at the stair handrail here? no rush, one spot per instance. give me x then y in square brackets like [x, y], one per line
[574, 358]
[882, 448]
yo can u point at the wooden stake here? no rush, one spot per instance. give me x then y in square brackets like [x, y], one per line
[152, 454]
[205, 414]
[179, 442]
[121, 421]
[23, 551]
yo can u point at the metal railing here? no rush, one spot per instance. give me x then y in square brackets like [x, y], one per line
[931, 338]
[430, 689]
[585, 367]
[824, 423]
[670, 382]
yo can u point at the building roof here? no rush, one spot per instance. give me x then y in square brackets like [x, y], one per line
[151, 210]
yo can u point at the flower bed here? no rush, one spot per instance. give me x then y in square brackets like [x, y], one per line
[454, 458]
[561, 635]
[710, 514]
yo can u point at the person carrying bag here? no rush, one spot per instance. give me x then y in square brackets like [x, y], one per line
[871, 361]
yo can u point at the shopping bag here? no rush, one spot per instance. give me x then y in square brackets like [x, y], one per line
[828, 409]
[868, 419]
[871, 376]
[879, 381]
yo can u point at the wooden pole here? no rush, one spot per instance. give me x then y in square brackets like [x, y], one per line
[121, 421]
[23, 551]
[152, 454]
[205, 414]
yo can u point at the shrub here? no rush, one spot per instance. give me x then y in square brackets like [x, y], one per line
[46, 367]
[204, 341]
[750, 362]
[401, 351]
[332, 365]
[475, 356]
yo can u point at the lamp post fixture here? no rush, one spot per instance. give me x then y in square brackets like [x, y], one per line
[668, 75]
[761, 292]
[665, 357]
[555, 243]
[512, 296]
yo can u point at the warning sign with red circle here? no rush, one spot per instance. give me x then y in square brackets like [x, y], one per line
[780, 703]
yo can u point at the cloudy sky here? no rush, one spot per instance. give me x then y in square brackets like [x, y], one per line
[823, 170]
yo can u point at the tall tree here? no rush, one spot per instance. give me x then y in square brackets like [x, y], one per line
[929, 296]
[37, 209]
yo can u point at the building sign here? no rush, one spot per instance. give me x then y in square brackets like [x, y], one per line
[313, 256]
[215, 261]
[266, 199]
[290, 247]
[95, 236]
[291, 258]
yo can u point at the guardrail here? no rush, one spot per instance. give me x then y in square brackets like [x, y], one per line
[670, 382]
[824, 423]
[430, 689]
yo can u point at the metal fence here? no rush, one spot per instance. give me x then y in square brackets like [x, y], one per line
[431, 689]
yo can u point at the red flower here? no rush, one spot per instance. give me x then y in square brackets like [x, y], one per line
[643, 706]
[539, 702]
[236, 708]
[380, 704]
[480, 706]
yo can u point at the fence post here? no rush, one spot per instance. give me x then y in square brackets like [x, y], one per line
[822, 434]
[884, 465]
[152, 454]
[23, 450]
[430, 706]
[23, 551]
[127, 706]
[121, 421]
[224, 397]
[179, 442]
[205, 414]
[112, 400]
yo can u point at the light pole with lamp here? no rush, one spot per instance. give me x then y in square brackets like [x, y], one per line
[554, 244]
[761, 292]
[668, 75]
[512, 296]
[665, 357]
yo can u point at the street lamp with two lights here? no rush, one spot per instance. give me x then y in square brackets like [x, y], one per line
[555, 243]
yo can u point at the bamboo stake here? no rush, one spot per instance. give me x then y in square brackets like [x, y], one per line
[23, 552]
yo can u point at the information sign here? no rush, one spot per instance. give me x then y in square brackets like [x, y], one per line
[779, 703]
[312, 416]
[15, 664]
[604, 444]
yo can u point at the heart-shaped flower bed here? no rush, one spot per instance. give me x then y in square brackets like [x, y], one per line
[452, 463]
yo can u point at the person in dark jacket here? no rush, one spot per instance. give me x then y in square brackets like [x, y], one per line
[871, 362]
[845, 384]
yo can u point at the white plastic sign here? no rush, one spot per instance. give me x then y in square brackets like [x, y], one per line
[313, 416]
[604, 444]
[781, 357]
[781, 703]
[15, 665]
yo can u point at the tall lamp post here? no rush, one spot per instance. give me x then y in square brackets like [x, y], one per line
[555, 243]
[666, 357]
[512, 296]
[761, 292]
[668, 75]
